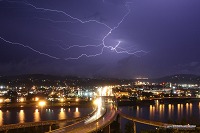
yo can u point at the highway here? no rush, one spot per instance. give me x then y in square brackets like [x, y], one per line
[104, 115]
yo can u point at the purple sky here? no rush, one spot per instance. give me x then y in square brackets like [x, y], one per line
[110, 38]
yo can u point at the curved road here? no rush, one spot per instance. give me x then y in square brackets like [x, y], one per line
[99, 124]
[102, 118]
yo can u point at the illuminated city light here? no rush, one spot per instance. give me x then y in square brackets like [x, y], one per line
[105, 91]
[98, 102]
[77, 110]
[1, 100]
[42, 103]
[36, 98]
[62, 99]
[22, 99]
[77, 100]
[21, 116]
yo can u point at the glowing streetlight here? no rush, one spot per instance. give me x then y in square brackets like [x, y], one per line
[36, 98]
[76, 99]
[1, 100]
[42, 103]
[98, 102]
[62, 100]
[21, 99]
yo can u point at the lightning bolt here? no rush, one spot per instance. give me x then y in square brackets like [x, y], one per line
[58, 11]
[116, 48]
[25, 46]
[55, 21]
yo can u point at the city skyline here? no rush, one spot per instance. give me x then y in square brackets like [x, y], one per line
[109, 38]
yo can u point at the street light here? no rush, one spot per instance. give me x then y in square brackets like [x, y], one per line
[97, 102]
[42, 103]
[36, 98]
[62, 100]
[21, 99]
[1, 100]
[76, 99]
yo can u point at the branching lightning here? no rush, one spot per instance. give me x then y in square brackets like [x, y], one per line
[25, 46]
[58, 11]
[103, 45]
[55, 21]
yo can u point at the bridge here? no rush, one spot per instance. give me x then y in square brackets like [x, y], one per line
[109, 114]
[144, 121]
[155, 123]
[98, 120]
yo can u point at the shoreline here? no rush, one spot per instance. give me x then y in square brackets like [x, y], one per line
[7, 106]
[152, 102]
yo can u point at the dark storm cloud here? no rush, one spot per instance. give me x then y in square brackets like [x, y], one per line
[96, 16]
[168, 30]
[116, 2]
[188, 68]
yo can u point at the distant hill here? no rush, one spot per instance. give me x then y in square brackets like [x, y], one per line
[51, 80]
[179, 78]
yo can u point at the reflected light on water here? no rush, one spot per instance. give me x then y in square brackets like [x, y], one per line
[199, 109]
[179, 110]
[21, 116]
[169, 110]
[187, 108]
[151, 112]
[190, 109]
[172, 109]
[141, 109]
[62, 114]
[76, 113]
[187, 112]
[36, 116]
[1, 118]
[161, 110]
[77, 110]
[138, 111]
[69, 110]
[8, 115]
[157, 106]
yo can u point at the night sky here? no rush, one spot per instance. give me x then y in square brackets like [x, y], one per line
[91, 38]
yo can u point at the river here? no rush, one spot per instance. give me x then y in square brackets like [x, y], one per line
[22, 115]
[178, 113]
[184, 112]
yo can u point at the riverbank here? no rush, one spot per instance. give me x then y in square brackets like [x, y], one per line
[37, 129]
[154, 101]
[6, 106]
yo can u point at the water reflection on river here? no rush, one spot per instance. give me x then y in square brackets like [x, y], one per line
[186, 112]
[22, 115]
